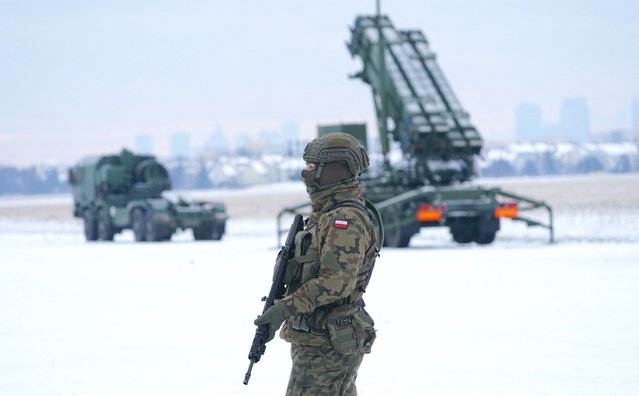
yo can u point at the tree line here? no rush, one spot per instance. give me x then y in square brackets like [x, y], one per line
[232, 171]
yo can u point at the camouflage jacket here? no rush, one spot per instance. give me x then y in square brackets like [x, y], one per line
[327, 269]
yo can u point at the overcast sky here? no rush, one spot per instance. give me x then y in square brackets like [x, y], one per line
[80, 77]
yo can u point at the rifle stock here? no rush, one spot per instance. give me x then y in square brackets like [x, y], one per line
[277, 291]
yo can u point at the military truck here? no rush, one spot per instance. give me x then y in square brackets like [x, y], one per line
[112, 193]
[422, 123]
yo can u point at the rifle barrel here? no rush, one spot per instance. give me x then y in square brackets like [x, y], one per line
[247, 376]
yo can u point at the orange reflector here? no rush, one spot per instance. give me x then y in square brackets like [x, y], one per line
[427, 212]
[506, 210]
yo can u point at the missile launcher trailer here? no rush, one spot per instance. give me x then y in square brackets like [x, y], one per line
[420, 118]
[112, 193]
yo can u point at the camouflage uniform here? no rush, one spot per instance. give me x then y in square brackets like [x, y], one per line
[328, 327]
[322, 309]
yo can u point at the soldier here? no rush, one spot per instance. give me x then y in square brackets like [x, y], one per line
[323, 311]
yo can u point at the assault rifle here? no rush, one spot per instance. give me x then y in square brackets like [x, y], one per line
[277, 291]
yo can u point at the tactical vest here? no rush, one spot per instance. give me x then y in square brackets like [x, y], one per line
[305, 265]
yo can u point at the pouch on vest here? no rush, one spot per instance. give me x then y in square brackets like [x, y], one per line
[351, 330]
[293, 272]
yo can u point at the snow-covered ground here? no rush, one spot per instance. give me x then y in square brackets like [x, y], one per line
[518, 317]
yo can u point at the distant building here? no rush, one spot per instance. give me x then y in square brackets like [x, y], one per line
[180, 145]
[528, 123]
[291, 136]
[217, 142]
[143, 144]
[574, 120]
[243, 143]
[617, 136]
[635, 116]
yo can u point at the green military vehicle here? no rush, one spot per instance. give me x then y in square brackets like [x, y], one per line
[112, 193]
[427, 181]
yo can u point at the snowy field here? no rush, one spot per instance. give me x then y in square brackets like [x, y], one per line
[518, 317]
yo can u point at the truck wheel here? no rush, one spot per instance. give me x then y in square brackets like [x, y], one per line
[486, 230]
[462, 235]
[90, 229]
[395, 236]
[465, 230]
[105, 227]
[218, 231]
[139, 225]
[485, 238]
[151, 232]
[204, 232]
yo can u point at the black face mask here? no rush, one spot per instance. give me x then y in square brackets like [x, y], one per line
[309, 177]
[331, 174]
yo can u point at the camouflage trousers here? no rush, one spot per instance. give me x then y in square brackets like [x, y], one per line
[321, 371]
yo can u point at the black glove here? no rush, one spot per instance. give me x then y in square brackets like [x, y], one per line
[273, 318]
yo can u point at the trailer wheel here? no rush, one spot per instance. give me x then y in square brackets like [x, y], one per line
[139, 225]
[90, 228]
[485, 238]
[464, 232]
[486, 230]
[462, 235]
[105, 227]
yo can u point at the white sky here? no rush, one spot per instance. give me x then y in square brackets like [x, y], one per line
[81, 77]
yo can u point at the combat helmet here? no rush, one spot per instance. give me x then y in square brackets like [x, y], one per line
[335, 147]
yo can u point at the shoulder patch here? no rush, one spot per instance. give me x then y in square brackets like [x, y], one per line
[343, 224]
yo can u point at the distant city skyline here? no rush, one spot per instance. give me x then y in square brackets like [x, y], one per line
[180, 144]
[573, 123]
[81, 78]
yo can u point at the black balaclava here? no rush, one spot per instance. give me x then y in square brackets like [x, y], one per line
[331, 174]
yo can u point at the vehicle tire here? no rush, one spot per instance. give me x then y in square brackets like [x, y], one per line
[465, 230]
[139, 224]
[462, 235]
[90, 228]
[204, 232]
[486, 238]
[218, 231]
[486, 230]
[151, 231]
[395, 235]
[105, 226]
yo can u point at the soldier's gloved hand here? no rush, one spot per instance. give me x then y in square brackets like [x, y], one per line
[273, 318]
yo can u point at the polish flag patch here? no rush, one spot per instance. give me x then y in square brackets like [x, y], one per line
[343, 224]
